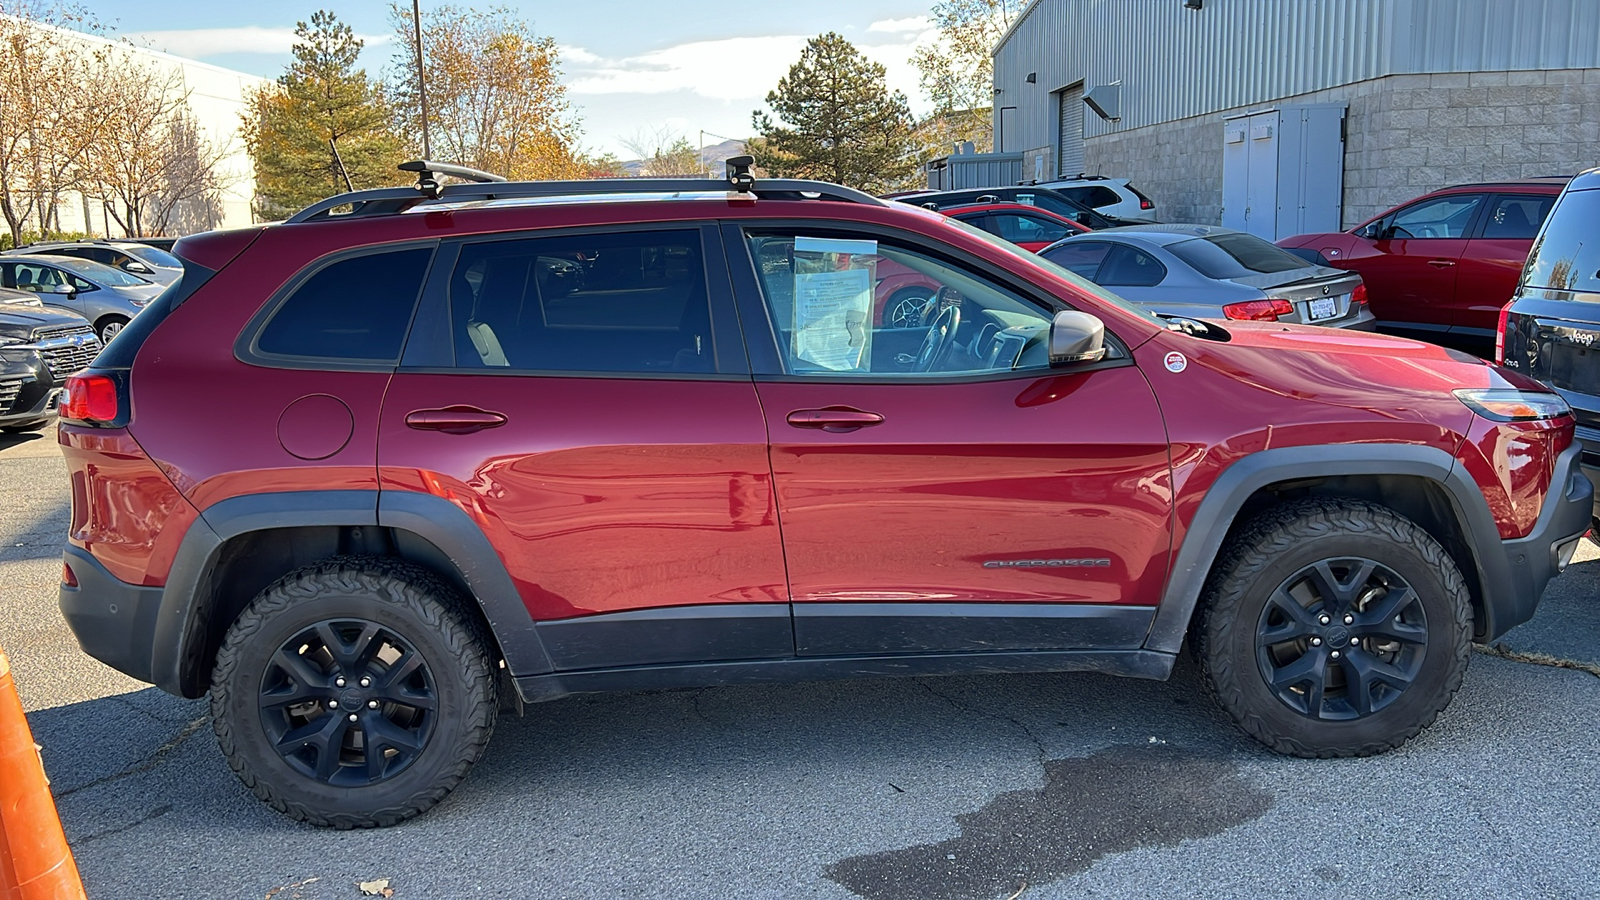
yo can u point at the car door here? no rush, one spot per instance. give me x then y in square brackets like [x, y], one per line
[45, 281]
[941, 488]
[1493, 259]
[1411, 261]
[584, 398]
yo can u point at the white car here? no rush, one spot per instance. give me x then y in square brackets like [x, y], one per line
[1107, 196]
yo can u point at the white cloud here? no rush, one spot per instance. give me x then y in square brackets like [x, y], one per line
[898, 26]
[199, 43]
[730, 69]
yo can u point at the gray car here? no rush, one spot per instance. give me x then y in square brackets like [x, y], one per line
[1206, 272]
[143, 260]
[109, 298]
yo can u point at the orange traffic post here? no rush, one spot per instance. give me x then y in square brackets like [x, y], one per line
[35, 862]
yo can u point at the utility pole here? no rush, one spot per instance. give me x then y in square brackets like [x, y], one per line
[422, 78]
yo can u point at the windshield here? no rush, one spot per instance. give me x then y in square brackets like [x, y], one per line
[155, 256]
[1235, 255]
[1078, 281]
[102, 274]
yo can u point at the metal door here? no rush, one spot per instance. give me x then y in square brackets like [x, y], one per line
[1070, 138]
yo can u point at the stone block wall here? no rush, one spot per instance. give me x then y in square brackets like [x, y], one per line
[1405, 135]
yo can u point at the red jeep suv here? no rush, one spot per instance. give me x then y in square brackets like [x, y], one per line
[363, 474]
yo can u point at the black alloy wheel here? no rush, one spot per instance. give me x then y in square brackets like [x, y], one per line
[1341, 639]
[348, 702]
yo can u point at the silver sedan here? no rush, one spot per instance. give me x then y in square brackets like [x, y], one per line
[108, 297]
[1206, 272]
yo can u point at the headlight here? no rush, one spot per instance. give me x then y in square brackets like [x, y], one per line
[138, 302]
[1510, 405]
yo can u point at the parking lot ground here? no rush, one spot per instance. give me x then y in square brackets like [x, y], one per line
[900, 789]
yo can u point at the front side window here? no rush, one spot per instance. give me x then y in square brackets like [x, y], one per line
[356, 309]
[1441, 217]
[29, 277]
[864, 308]
[613, 302]
[1020, 229]
[1515, 217]
[1126, 266]
[1081, 258]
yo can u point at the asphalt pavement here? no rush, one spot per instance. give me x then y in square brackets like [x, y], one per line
[1036, 786]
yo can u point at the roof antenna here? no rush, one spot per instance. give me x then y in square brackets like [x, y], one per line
[739, 173]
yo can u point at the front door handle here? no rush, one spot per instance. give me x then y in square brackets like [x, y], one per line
[454, 419]
[834, 418]
[1441, 263]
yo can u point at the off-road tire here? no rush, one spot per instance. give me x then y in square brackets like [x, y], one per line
[412, 603]
[1279, 543]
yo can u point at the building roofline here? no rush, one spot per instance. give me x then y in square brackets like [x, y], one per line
[126, 44]
[1022, 17]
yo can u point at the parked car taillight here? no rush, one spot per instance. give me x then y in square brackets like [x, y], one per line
[89, 398]
[1258, 310]
[1500, 334]
[1359, 295]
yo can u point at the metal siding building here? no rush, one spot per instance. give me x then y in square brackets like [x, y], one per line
[1181, 70]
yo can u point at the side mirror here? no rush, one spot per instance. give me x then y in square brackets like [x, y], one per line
[1076, 337]
[1084, 219]
[67, 289]
[138, 268]
[1373, 232]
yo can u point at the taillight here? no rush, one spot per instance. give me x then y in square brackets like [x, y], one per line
[1359, 295]
[1146, 204]
[89, 398]
[68, 577]
[1500, 334]
[1258, 310]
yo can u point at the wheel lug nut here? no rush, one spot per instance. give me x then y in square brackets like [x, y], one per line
[339, 682]
[1324, 620]
[366, 682]
[1349, 620]
[333, 704]
[1334, 654]
[1316, 642]
[372, 704]
[352, 717]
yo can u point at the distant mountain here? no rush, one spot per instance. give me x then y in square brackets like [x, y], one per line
[714, 155]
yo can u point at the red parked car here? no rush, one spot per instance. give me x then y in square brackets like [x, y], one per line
[357, 475]
[1441, 266]
[1029, 227]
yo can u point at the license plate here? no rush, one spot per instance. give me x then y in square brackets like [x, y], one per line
[1324, 308]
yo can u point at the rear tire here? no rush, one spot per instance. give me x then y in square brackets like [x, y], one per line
[355, 692]
[1334, 628]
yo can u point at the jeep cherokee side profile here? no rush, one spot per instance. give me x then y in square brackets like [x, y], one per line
[360, 474]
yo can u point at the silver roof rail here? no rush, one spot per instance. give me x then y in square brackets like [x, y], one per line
[485, 186]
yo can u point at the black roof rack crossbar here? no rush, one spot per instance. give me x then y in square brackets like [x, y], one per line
[389, 201]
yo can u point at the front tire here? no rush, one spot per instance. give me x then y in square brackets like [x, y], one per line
[353, 693]
[109, 327]
[1335, 628]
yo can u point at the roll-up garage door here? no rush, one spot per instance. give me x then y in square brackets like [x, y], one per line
[1070, 144]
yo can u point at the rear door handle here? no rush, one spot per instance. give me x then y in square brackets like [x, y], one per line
[1441, 263]
[834, 418]
[454, 419]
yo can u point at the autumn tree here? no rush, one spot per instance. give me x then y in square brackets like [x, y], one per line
[665, 154]
[495, 97]
[322, 126]
[836, 120]
[48, 114]
[150, 166]
[957, 69]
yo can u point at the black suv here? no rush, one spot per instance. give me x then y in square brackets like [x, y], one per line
[1029, 195]
[39, 348]
[1551, 328]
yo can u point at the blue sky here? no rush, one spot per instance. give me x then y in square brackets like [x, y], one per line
[633, 67]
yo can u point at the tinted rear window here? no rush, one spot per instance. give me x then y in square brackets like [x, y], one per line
[355, 309]
[1567, 255]
[1234, 256]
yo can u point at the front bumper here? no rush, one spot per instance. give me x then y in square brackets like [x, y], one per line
[1532, 561]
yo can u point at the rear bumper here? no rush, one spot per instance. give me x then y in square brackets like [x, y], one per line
[115, 622]
[1533, 560]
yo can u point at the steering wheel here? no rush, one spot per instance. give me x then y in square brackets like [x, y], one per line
[941, 334]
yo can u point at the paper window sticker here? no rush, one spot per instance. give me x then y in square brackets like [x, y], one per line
[835, 245]
[833, 321]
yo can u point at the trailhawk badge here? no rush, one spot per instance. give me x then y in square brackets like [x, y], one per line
[1176, 362]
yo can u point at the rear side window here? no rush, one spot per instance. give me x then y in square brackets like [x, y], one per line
[1566, 257]
[1234, 256]
[1127, 266]
[1096, 195]
[356, 309]
[623, 303]
[1516, 217]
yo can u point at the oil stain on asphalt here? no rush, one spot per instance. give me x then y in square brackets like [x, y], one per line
[1116, 800]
